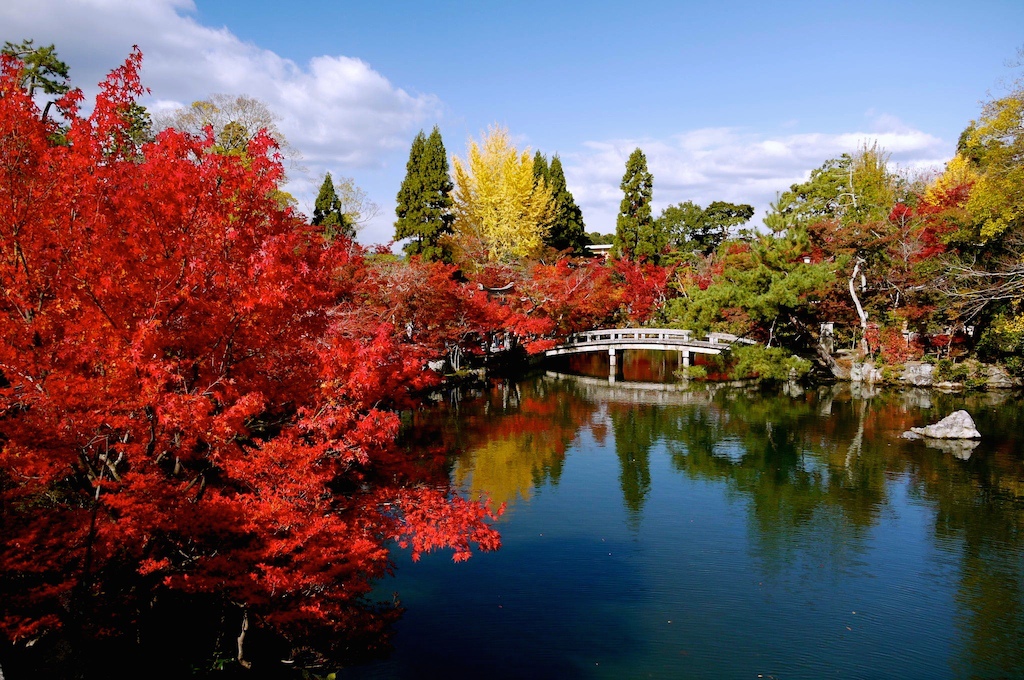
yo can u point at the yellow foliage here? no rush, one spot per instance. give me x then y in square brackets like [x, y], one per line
[872, 186]
[1014, 325]
[958, 172]
[506, 470]
[498, 203]
[997, 199]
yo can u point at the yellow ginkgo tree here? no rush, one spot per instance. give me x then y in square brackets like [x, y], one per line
[985, 274]
[502, 212]
[996, 145]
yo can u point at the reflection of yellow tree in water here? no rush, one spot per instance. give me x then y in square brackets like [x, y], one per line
[815, 473]
[517, 439]
[505, 470]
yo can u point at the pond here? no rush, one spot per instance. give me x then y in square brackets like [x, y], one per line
[716, 533]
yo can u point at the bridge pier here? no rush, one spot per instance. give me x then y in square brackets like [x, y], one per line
[684, 358]
[612, 361]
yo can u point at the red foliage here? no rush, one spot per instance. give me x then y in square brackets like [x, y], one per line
[893, 347]
[704, 271]
[574, 295]
[941, 213]
[196, 388]
[736, 248]
[900, 213]
[646, 286]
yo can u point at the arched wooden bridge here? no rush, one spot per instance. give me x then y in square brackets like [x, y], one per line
[614, 340]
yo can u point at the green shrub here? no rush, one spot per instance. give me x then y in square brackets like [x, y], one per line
[892, 373]
[1003, 340]
[1014, 365]
[772, 364]
[715, 364]
[946, 370]
[968, 373]
[693, 372]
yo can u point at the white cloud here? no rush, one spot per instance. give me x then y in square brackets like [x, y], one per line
[338, 112]
[343, 116]
[732, 164]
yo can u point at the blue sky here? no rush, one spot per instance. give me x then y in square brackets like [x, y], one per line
[729, 100]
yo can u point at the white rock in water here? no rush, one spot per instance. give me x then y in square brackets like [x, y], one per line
[957, 425]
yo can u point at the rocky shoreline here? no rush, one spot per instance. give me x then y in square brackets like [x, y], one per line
[924, 374]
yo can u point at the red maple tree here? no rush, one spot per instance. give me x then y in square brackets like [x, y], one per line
[198, 392]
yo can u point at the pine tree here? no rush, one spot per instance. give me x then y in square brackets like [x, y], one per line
[567, 229]
[541, 169]
[41, 69]
[636, 235]
[408, 208]
[327, 212]
[424, 200]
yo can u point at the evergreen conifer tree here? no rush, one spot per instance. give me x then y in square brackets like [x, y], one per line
[567, 229]
[424, 200]
[327, 211]
[636, 235]
[409, 199]
[41, 69]
[541, 169]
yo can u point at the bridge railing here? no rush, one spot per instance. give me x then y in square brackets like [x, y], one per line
[651, 335]
[615, 334]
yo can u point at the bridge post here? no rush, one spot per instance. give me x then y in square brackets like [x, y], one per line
[611, 364]
[684, 358]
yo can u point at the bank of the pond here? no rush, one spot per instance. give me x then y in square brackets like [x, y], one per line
[643, 365]
[947, 376]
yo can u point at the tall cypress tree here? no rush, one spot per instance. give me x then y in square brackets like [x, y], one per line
[635, 231]
[409, 199]
[424, 200]
[541, 169]
[567, 229]
[327, 211]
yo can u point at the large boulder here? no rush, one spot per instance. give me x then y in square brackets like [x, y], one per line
[918, 374]
[996, 378]
[865, 372]
[957, 425]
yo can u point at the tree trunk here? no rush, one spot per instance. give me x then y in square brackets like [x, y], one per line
[838, 371]
[241, 642]
[860, 310]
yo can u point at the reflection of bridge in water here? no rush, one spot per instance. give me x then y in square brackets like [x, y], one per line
[662, 394]
[614, 340]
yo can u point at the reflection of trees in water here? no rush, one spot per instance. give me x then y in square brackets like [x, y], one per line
[812, 490]
[506, 469]
[980, 506]
[815, 471]
[635, 430]
[513, 439]
[636, 365]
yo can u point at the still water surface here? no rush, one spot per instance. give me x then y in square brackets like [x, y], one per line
[725, 534]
